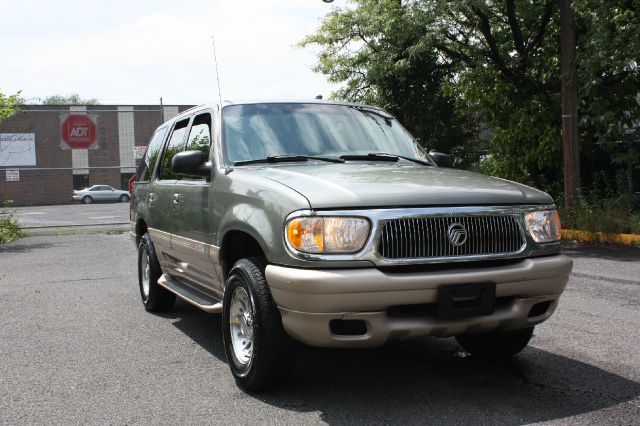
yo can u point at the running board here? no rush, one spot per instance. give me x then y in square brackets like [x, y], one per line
[194, 297]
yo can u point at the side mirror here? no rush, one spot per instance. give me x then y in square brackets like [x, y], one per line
[191, 163]
[441, 159]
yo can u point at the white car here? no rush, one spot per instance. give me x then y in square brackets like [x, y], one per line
[100, 193]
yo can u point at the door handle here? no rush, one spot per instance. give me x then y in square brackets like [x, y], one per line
[177, 198]
[152, 198]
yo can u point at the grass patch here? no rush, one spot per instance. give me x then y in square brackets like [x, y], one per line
[9, 228]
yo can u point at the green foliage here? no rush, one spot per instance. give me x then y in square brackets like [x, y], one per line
[9, 105]
[72, 99]
[634, 223]
[9, 228]
[370, 48]
[606, 207]
[449, 67]
[612, 215]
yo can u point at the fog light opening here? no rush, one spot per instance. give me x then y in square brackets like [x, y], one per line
[539, 309]
[348, 327]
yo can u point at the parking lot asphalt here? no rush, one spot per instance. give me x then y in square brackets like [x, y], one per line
[76, 346]
[71, 215]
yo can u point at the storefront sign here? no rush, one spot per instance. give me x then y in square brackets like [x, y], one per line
[78, 131]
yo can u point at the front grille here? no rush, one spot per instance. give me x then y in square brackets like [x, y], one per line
[428, 237]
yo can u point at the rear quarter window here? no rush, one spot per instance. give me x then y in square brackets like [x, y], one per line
[151, 155]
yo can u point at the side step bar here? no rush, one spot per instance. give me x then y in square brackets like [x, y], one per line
[196, 298]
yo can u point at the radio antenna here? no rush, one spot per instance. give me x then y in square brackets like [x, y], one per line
[215, 58]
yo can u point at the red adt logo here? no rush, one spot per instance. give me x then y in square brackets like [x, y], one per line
[78, 131]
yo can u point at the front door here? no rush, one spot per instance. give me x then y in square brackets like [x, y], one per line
[191, 240]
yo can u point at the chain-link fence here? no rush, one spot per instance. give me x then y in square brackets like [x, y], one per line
[55, 197]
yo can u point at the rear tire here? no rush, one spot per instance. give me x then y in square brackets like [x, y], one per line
[495, 344]
[154, 297]
[259, 352]
[124, 198]
[87, 199]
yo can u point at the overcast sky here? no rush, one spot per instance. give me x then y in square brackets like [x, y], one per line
[134, 52]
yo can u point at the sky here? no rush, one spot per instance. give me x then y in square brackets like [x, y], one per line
[136, 51]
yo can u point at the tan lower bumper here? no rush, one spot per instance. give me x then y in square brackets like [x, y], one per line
[310, 299]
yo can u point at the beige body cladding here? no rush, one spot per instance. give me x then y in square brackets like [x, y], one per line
[309, 299]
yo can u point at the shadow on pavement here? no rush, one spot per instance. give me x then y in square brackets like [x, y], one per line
[203, 328]
[22, 247]
[431, 381]
[602, 251]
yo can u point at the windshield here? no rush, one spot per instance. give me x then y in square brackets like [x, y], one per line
[258, 131]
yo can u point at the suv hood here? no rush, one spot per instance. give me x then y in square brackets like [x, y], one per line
[358, 185]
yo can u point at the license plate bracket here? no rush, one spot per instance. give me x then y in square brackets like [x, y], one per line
[466, 300]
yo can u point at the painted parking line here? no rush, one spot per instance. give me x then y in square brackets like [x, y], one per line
[102, 217]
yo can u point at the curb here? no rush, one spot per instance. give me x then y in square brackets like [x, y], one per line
[601, 237]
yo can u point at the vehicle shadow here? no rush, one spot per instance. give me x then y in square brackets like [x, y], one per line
[203, 328]
[430, 381]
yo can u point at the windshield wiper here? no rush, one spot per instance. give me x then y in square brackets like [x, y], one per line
[382, 156]
[288, 159]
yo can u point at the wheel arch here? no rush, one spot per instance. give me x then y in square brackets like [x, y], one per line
[237, 244]
[140, 229]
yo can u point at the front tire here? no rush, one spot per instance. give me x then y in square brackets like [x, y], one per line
[259, 352]
[154, 297]
[495, 344]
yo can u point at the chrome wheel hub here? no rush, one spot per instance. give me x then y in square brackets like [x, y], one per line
[146, 274]
[241, 326]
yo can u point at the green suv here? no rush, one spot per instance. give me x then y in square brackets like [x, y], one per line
[328, 224]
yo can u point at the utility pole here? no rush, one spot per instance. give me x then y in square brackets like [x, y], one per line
[569, 104]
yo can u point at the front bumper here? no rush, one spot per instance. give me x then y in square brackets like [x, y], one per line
[310, 299]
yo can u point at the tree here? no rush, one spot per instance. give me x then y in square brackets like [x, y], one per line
[9, 105]
[369, 49]
[73, 99]
[497, 62]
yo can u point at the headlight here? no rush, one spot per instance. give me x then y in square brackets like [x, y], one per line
[327, 234]
[544, 226]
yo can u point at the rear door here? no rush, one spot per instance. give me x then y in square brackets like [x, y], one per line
[160, 198]
[191, 240]
[142, 184]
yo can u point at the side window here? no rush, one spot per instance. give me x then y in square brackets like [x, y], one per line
[200, 136]
[174, 146]
[151, 156]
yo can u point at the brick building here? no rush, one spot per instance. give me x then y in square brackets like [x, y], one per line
[39, 167]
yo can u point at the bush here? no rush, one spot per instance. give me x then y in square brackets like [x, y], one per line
[634, 223]
[9, 228]
[608, 215]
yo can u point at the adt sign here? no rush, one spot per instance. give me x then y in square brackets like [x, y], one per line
[78, 131]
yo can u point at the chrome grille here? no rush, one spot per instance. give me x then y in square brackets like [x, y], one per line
[416, 238]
